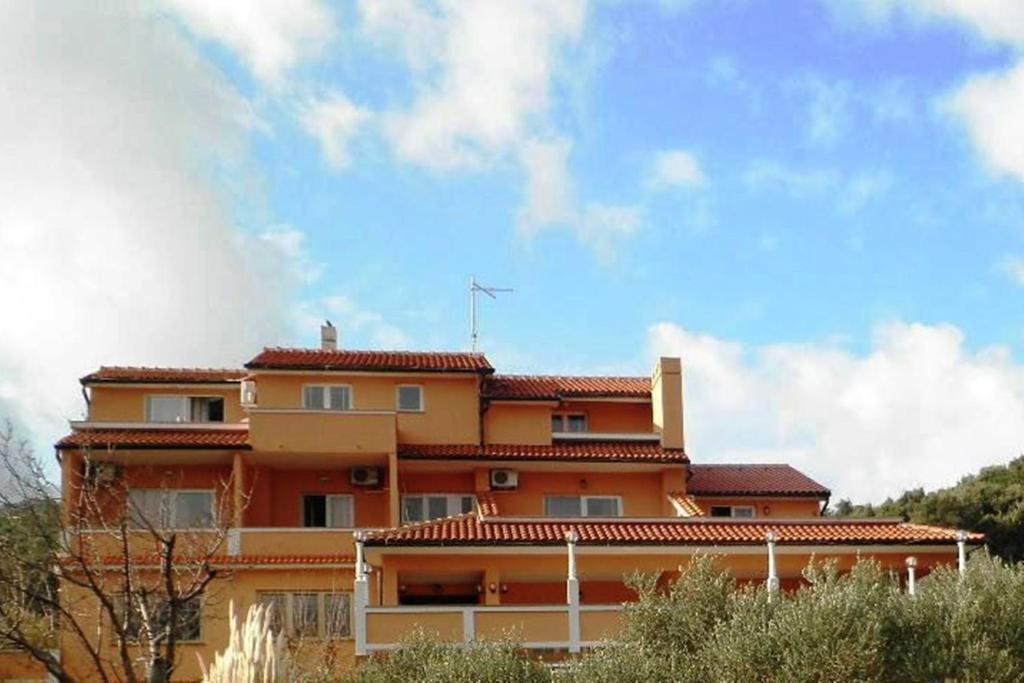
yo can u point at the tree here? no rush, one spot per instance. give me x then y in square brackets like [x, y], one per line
[991, 502]
[101, 547]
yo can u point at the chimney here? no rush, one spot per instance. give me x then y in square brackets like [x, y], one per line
[328, 337]
[667, 401]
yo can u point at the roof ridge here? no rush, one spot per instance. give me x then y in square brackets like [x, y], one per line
[304, 349]
[547, 376]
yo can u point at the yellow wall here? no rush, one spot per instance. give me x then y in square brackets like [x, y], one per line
[518, 423]
[128, 404]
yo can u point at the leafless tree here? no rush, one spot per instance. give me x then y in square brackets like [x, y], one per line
[108, 574]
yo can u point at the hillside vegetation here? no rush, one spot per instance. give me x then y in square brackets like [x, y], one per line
[991, 502]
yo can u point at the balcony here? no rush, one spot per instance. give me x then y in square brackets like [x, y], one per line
[535, 627]
[322, 431]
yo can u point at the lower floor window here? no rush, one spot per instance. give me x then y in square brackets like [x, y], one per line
[742, 511]
[188, 628]
[310, 614]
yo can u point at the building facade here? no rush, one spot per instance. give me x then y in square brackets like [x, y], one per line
[366, 494]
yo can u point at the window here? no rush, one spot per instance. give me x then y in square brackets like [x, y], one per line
[744, 511]
[332, 511]
[170, 509]
[188, 629]
[583, 506]
[420, 508]
[410, 398]
[184, 409]
[327, 397]
[568, 422]
[310, 614]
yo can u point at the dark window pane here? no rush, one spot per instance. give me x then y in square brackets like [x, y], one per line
[721, 511]
[314, 511]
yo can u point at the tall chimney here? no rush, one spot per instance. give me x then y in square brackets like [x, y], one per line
[328, 337]
[667, 401]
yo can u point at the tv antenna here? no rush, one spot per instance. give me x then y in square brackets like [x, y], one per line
[474, 289]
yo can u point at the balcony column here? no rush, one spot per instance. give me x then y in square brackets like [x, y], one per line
[394, 510]
[773, 577]
[360, 597]
[572, 590]
[492, 585]
[961, 551]
[911, 575]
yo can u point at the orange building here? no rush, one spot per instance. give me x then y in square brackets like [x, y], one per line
[370, 493]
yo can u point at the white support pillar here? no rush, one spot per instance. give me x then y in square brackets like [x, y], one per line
[772, 583]
[912, 575]
[572, 593]
[360, 597]
[961, 551]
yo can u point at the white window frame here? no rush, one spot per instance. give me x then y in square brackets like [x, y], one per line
[423, 399]
[584, 504]
[287, 620]
[186, 404]
[327, 502]
[172, 508]
[563, 417]
[734, 508]
[327, 397]
[453, 504]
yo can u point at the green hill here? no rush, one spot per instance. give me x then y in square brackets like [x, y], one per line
[991, 502]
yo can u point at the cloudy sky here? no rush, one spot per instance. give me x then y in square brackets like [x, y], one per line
[818, 204]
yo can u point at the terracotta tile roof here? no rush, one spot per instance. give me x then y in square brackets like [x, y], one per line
[685, 504]
[487, 504]
[752, 480]
[123, 374]
[141, 439]
[470, 530]
[377, 361]
[585, 451]
[240, 560]
[552, 387]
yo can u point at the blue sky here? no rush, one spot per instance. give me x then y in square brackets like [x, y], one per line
[818, 204]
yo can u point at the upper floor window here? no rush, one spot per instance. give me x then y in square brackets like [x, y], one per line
[744, 511]
[331, 511]
[410, 398]
[568, 422]
[310, 614]
[184, 408]
[583, 506]
[327, 397]
[420, 508]
[170, 509]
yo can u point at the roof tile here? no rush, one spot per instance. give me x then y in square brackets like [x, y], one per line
[378, 361]
[113, 374]
[470, 530]
[752, 480]
[585, 451]
[558, 387]
[156, 438]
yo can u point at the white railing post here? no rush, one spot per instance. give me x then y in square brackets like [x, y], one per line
[773, 577]
[911, 575]
[468, 625]
[572, 593]
[234, 538]
[961, 551]
[360, 596]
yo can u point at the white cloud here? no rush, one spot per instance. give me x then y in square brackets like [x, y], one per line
[116, 245]
[486, 90]
[996, 20]
[333, 121]
[550, 198]
[369, 327]
[828, 109]
[1013, 268]
[917, 409]
[604, 226]
[863, 188]
[676, 168]
[769, 175]
[991, 107]
[269, 36]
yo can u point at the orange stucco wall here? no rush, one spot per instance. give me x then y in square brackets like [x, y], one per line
[518, 423]
[779, 508]
[128, 404]
[612, 417]
[640, 491]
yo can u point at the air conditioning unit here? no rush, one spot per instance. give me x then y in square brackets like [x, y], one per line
[504, 479]
[364, 476]
[101, 473]
[248, 397]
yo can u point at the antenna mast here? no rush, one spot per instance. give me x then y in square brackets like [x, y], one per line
[474, 289]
